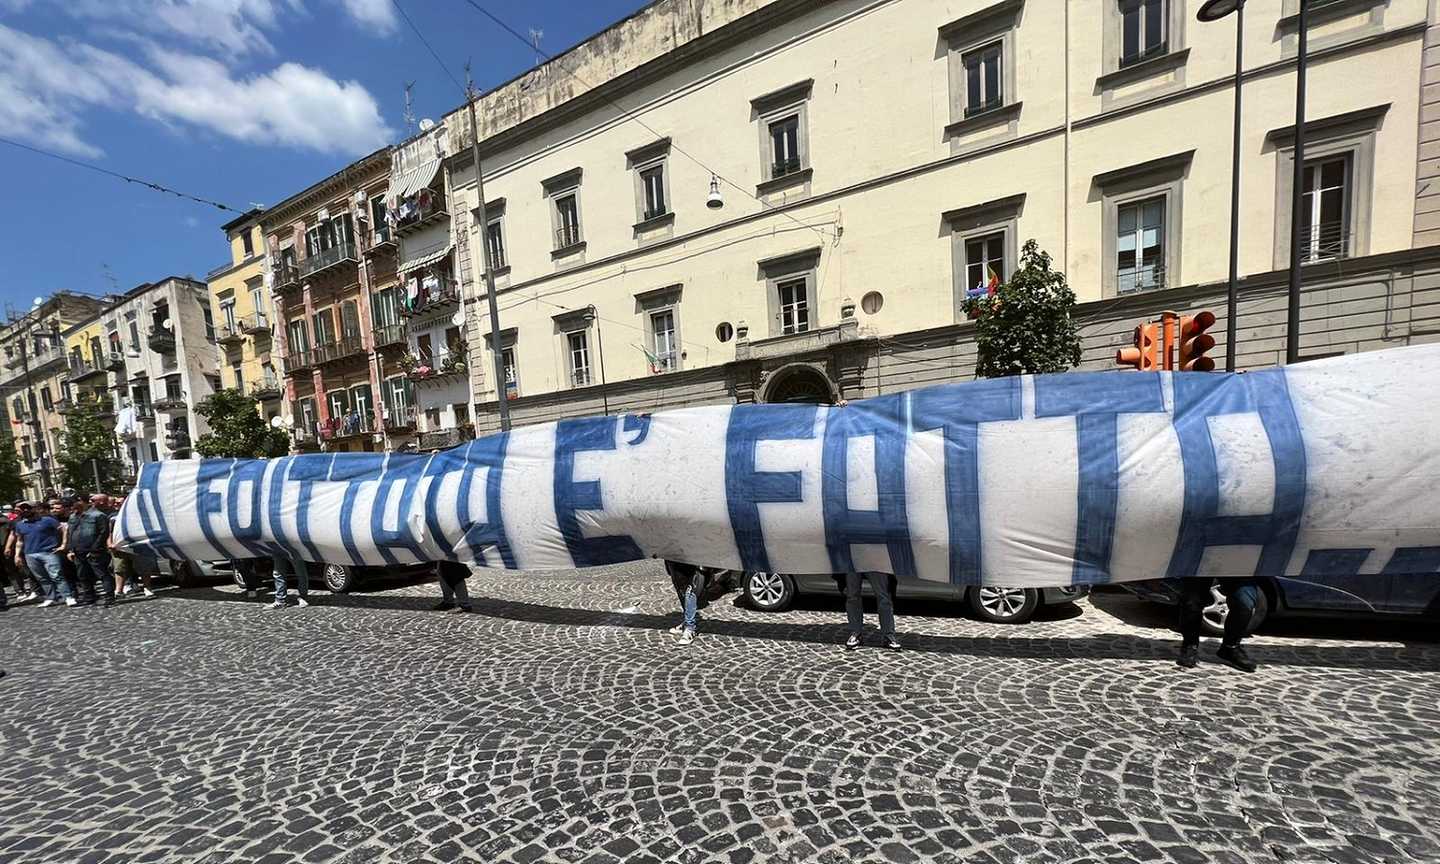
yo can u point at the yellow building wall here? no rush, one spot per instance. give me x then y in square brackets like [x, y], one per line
[249, 352]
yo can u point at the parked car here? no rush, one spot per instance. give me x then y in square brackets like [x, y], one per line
[1374, 595]
[338, 578]
[775, 592]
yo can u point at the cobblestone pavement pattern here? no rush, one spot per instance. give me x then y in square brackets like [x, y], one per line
[562, 723]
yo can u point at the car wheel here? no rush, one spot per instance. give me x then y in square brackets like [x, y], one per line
[1212, 617]
[339, 579]
[769, 592]
[183, 574]
[1004, 605]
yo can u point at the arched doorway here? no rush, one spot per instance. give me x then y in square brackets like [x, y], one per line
[800, 382]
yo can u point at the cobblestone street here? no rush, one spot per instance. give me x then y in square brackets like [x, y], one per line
[562, 723]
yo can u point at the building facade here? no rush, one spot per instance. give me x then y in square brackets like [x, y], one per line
[877, 158]
[161, 361]
[326, 259]
[34, 378]
[240, 306]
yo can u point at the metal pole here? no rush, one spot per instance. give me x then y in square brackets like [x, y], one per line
[1292, 318]
[600, 348]
[1232, 295]
[496, 353]
[95, 467]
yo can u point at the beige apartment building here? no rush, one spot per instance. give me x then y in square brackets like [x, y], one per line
[876, 158]
[241, 309]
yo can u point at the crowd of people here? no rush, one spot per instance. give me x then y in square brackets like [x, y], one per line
[60, 551]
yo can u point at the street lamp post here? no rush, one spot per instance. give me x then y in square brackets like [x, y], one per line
[592, 315]
[1214, 10]
[1297, 193]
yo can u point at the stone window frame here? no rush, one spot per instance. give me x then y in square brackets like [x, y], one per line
[976, 31]
[773, 107]
[968, 223]
[656, 154]
[566, 323]
[783, 268]
[1350, 134]
[666, 299]
[1288, 26]
[494, 215]
[1113, 74]
[1163, 176]
[556, 188]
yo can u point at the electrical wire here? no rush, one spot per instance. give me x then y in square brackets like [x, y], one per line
[127, 178]
[630, 115]
[426, 43]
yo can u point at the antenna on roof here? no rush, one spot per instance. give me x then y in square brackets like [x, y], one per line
[535, 37]
[110, 277]
[409, 110]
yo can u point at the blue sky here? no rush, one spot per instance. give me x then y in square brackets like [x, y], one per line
[238, 101]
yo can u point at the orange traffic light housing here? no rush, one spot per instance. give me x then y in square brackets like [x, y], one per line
[1194, 342]
[1143, 356]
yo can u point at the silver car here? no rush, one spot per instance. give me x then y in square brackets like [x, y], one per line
[775, 592]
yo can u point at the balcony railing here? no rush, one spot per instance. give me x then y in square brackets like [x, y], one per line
[170, 402]
[785, 166]
[83, 370]
[35, 356]
[286, 276]
[327, 258]
[229, 336]
[1145, 278]
[401, 419]
[297, 361]
[567, 236]
[350, 346]
[353, 423]
[418, 210]
[161, 340]
[440, 439]
[1327, 241]
[266, 389]
[441, 295]
[391, 334]
[255, 324]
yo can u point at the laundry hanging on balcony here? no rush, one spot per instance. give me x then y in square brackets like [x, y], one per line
[1303, 471]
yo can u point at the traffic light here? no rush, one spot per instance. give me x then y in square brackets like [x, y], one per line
[1169, 334]
[1143, 356]
[1194, 342]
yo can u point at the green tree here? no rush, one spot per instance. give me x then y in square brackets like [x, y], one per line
[1026, 327]
[12, 488]
[87, 449]
[237, 431]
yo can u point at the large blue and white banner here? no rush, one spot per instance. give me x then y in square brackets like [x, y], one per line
[1048, 480]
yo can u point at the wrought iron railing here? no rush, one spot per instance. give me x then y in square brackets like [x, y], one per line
[1324, 242]
[1144, 278]
[328, 258]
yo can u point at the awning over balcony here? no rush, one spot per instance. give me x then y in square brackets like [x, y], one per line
[427, 257]
[415, 179]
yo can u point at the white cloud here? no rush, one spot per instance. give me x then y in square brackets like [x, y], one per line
[233, 27]
[48, 86]
[379, 14]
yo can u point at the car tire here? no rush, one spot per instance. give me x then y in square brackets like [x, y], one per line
[769, 592]
[184, 574]
[1003, 605]
[1212, 618]
[339, 578]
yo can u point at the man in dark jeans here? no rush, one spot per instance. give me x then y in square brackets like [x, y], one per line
[454, 595]
[883, 586]
[690, 583]
[1241, 596]
[86, 544]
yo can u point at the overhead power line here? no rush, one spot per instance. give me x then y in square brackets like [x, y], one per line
[630, 115]
[426, 43]
[127, 178]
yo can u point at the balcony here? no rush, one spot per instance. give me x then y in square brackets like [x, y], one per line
[381, 241]
[351, 346]
[173, 402]
[266, 390]
[442, 296]
[255, 324]
[82, 371]
[349, 426]
[400, 420]
[425, 207]
[161, 340]
[449, 366]
[115, 361]
[390, 335]
[286, 277]
[87, 403]
[341, 253]
[298, 361]
[1327, 241]
[229, 336]
[445, 438]
[34, 356]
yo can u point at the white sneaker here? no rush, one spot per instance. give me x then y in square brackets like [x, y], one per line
[45, 603]
[300, 601]
[276, 605]
[687, 637]
[28, 597]
[677, 629]
[149, 593]
[70, 601]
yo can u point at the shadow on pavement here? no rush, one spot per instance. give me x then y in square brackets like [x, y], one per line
[1111, 646]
